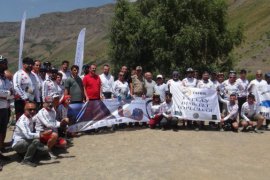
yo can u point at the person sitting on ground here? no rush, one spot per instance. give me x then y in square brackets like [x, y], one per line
[229, 118]
[168, 121]
[156, 115]
[46, 119]
[62, 113]
[25, 140]
[250, 112]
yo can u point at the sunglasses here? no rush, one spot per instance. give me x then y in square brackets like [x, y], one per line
[31, 109]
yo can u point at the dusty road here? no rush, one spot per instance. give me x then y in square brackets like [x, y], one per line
[154, 154]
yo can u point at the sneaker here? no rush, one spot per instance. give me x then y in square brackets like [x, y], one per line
[52, 156]
[28, 163]
[258, 131]
[221, 130]
[197, 129]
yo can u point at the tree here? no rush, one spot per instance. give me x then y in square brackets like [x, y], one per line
[175, 34]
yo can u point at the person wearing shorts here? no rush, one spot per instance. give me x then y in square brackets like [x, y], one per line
[250, 113]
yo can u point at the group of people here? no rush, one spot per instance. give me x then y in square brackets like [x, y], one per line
[42, 94]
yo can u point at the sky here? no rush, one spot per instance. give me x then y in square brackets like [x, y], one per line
[12, 10]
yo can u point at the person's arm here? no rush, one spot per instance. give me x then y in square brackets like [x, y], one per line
[232, 113]
[18, 88]
[43, 119]
[23, 126]
[243, 113]
[44, 90]
[4, 93]
[221, 99]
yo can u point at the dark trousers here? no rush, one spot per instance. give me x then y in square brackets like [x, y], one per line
[19, 108]
[241, 101]
[168, 123]
[4, 120]
[107, 95]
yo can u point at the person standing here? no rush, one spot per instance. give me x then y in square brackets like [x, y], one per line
[149, 84]
[256, 83]
[190, 81]
[39, 82]
[138, 83]
[74, 86]
[121, 89]
[65, 70]
[160, 88]
[5, 94]
[107, 81]
[242, 97]
[50, 87]
[24, 85]
[92, 84]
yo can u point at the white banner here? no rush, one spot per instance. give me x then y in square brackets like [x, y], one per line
[21, 40]
[263, 97]
[80, 50]
[195, 104]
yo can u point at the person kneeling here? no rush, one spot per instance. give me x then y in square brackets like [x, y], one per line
[250, 112]
[46, 119]
[168, 121]
[231, 113]
[25, 141]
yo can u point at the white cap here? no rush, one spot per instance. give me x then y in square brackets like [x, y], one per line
[160, 76]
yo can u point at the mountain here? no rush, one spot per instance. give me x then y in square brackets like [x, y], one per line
[53, 36]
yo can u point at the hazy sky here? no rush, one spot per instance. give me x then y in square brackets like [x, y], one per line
[12, 10]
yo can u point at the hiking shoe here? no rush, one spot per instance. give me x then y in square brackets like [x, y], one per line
[52, 156]
[28, 163]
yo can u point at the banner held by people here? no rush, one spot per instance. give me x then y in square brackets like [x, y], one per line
[195, 104]
[263, 98]
[80, 50]
[22, 39]
[108, 112]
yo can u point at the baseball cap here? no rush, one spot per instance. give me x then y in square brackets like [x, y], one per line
[159, 76]
[139, 68]
[189, 70]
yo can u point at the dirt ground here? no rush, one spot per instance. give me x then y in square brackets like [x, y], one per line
[155, 154]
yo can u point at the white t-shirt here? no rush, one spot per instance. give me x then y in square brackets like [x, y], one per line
[161, 90]
[189, 82]
[249, 110]
[244, 83]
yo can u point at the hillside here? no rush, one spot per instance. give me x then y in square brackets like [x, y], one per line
[53, 36]
[254, 52]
